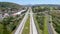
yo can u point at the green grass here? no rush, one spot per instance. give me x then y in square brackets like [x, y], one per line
[45, 25]
[1, 29]
[26, 29]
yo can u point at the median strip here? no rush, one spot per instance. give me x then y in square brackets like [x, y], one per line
[45, 25]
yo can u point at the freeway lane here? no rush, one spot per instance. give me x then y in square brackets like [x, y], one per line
[33, 29]
[21, 25]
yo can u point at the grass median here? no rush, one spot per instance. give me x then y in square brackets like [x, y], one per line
[45, 25]
[26, 29]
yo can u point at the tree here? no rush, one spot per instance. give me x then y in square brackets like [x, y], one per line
[5, 22]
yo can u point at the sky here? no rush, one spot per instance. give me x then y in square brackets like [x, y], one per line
[33, 2]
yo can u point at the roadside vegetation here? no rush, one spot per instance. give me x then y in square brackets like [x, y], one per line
[56, 21]
[41, 23]
[9, 24]
[54, 11]
[41, 19]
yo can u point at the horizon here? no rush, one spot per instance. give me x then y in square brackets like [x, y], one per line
[32, 2]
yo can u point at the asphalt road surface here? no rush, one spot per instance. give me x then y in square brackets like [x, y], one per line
[21, 25]
[33, 29]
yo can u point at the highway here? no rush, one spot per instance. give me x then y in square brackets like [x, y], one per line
[21, 25]
[33, 29]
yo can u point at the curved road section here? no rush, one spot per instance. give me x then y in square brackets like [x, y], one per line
[21, 25]
[33, 29]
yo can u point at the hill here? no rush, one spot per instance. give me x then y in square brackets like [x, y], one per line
[46, 5]
[6, 5]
